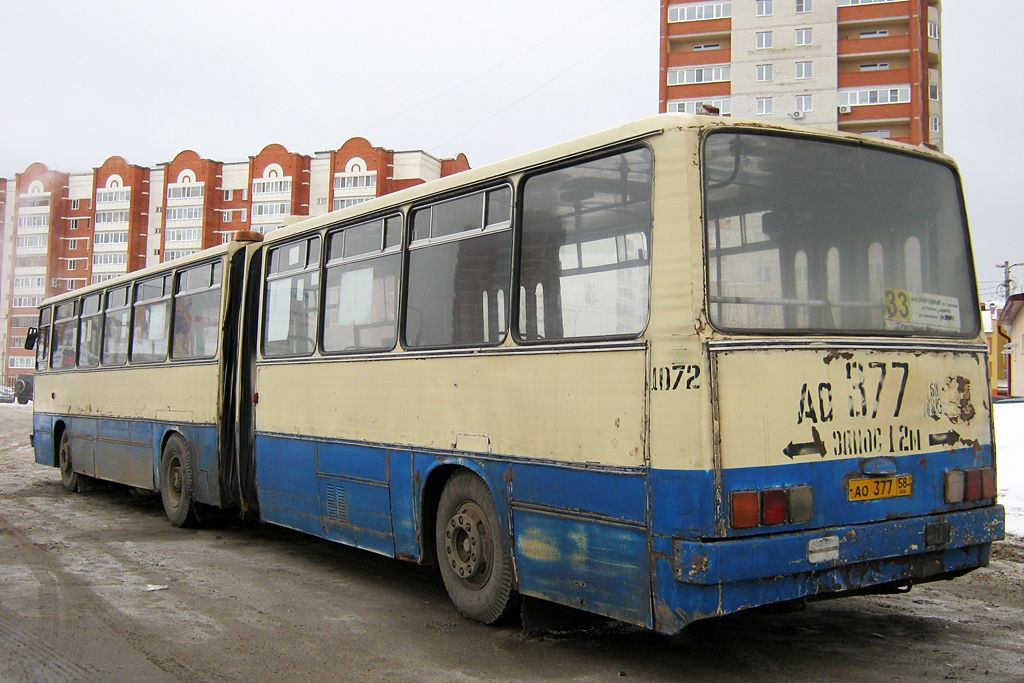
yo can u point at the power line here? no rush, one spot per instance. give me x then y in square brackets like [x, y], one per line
[592, 16]
[545, 84]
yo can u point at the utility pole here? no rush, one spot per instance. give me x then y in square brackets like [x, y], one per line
[1006, 289]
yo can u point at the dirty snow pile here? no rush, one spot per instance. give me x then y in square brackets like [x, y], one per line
[1009, 419]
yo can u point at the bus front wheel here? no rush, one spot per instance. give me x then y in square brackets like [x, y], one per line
[176, 482]
[472, 552]
[68, 476]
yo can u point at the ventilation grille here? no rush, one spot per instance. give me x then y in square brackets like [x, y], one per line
[337, 508]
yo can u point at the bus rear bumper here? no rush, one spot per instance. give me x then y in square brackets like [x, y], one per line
[713, 578]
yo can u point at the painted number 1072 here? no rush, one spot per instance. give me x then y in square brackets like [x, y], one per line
[676, 376]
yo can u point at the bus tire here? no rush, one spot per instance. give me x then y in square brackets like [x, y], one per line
[68, 476]
[176, 490]
[471, 551]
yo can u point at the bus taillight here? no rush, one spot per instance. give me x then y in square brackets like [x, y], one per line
[965, 486]
[771, 507]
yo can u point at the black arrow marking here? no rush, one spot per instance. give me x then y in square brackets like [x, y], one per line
[943, 438]
[816, 447]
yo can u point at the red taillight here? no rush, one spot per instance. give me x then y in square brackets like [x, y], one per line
[988, 483]
[972, 486]
[774, 503]
[744, 508]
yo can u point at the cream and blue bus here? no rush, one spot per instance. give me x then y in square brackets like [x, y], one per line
[670, 371]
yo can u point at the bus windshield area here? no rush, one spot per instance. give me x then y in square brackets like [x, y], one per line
[809, 236]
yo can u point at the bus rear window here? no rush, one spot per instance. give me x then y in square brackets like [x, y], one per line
[824, 237]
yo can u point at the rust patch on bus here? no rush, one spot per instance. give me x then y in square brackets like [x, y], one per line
[836, 355]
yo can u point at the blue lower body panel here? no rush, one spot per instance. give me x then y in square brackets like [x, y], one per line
[713, 578]
[128, 451]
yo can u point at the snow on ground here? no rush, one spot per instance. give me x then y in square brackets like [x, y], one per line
[1009, 419]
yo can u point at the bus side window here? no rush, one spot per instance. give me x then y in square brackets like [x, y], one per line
[89, 332]
[459, 271]
[291, 300]
[361, 287]
[151, 321]
[586, 235]
[65, 336]
[115, 327]
[197, 300]
[43, 342]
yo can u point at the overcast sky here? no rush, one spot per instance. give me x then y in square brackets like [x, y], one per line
[84, 81]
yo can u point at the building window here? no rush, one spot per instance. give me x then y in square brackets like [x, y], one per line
[933, 124]
[73, 244]
[31, 241]
[21, 362]
[764, 8]
[803, 36]
[803, 5]
[933, 29]
[184, 191]
[933, 92]
[185, 213]
[108, 196]
[708, 74]
[110, 238]
[72, 264]
[880, 133]
[803, 103]
[271, 186]
[723, 105]
[110, 259]
[228, 194]
[699, 11]
[76, 204]
[875, 33]
[764, 105]
[764, 72]
[227, 217]
[764, 40]
[875, 66]
[804, 70]
[871, 96]
[707, 46]
[846, 3]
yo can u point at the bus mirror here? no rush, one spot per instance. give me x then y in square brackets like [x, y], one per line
[30, 338]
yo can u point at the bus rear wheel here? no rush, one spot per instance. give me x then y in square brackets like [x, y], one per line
[68, 476]
[176, 482]
[472, 552]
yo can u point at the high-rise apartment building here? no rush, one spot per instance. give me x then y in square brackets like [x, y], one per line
[865, 66]
[60, 231]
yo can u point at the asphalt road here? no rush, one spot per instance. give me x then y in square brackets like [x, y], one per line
[100, 587]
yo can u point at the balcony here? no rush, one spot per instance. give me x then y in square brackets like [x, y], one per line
[876, 112]
[854, 79]
[888, 45]
[881, 10]
[723, 56]
[700, 28]
[692, 90]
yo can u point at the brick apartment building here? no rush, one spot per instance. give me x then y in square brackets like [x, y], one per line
[865, 66]
[60, 231]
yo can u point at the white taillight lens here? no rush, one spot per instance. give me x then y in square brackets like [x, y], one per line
[801, 504]
[953, 490]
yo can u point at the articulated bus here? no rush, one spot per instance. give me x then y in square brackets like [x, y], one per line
[678, 369]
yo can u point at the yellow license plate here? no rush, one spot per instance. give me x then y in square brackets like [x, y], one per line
[875, 488]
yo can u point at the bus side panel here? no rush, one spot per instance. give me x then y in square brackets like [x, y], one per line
[83, 433]
[585, 563]
[42, 438]
[123, 451]
[287, 481]
[355, 502]
[581, 538]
